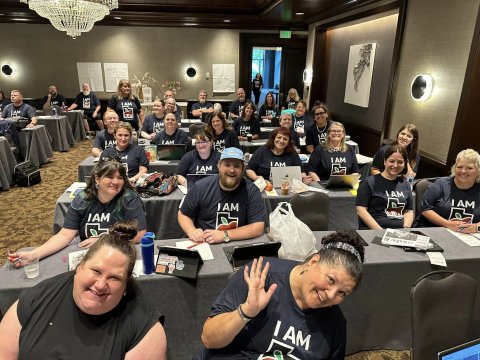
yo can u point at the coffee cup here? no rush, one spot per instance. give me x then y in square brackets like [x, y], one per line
[249, 137]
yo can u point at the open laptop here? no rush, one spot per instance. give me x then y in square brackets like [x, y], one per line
[341, 181]
[467, 351]
[171, 151]
[279, 172]
[240, 255]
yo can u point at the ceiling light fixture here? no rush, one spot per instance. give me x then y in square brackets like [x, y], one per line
[299, 13]
[72, 16]
[226, 21]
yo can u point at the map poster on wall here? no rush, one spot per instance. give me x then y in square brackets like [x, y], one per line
[359, 74]
[91, 73]
[114, 72]
[223, 78]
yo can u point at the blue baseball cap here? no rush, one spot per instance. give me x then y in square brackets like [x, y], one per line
[232, 153]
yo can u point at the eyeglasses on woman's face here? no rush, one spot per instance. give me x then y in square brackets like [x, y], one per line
[336, 131]
[319, 113]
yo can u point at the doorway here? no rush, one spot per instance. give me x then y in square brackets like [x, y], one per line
[267, 62]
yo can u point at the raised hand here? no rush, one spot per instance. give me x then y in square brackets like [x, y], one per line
[258, 297]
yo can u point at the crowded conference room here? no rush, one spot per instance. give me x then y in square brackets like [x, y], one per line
[260, 179]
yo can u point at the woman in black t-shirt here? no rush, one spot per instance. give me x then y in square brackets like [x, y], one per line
[385, 200]
[126, 105]
[223, 135]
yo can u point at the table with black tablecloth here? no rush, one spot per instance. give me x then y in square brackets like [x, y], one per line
[75, 119]
[377, 313]
[166, 166]
[7, 164]
[60, 131]
[36, 144]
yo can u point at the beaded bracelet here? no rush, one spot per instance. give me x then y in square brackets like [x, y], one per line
[242, 314]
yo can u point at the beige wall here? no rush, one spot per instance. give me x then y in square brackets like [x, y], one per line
[437, 40]
[42, 55]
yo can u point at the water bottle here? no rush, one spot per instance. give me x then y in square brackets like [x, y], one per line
[147, 244]
[410, 180]
[55, 112]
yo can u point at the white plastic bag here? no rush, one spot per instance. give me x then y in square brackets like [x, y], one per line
[298, 241]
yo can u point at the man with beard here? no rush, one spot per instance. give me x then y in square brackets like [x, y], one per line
[53, 99]
[177, 110]
[236, 107]
[90, 104]
[202, 108]
[223, 207]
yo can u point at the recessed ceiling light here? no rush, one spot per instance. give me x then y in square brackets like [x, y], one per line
[19, 19]
[117, 17]
[226, 20]
[299, 13]
[191, 24]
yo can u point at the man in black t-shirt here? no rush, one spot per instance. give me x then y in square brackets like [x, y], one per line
[53, 99]
[235, 109]
[224, 207]
[90, 104]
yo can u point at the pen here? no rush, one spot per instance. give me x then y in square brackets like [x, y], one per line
[192, 246]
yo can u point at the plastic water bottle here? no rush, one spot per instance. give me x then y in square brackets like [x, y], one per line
[55, 111]
[410, 180]
[147, 244]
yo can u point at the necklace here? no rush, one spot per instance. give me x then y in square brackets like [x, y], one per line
[323, 130]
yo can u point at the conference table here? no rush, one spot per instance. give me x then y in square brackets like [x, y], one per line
[166, 166]
[161, 211]
[75, 118]
[60, 131]
[377, 313]
[36, 144]
[7, 164]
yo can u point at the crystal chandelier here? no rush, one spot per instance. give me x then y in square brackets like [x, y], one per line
[72, 16]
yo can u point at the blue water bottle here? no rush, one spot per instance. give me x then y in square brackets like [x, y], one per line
[147, 244]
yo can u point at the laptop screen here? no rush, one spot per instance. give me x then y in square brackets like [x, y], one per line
[171, 151]
[467, 351]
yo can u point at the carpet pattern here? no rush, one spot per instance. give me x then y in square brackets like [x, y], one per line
[26, 217]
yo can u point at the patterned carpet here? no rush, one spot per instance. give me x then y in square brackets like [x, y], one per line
[26, 215]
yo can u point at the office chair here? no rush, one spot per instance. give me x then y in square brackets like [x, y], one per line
[192, 129]
[420, 189]
[443, 306]
[312, 208]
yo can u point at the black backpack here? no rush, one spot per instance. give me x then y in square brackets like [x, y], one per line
[26, 174]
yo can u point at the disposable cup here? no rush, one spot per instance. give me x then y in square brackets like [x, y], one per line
[32, 269]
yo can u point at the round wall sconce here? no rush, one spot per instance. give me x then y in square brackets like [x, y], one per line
[307, 76]
[7, 69]
[191, 72]
[422, 86]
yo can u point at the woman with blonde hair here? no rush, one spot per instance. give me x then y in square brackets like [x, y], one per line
[454, 201]
[335, 158]
[292, 100]
[127, 105]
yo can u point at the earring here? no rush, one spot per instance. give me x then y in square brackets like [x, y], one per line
[304, 270]
[125, 293]
[97, 186]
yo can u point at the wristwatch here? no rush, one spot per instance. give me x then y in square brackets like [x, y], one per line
[226, 238]
[478, 227]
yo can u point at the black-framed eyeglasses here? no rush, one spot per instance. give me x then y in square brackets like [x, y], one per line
[320, 113]
[110, 158]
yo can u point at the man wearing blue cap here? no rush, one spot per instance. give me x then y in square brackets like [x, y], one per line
[223, 207]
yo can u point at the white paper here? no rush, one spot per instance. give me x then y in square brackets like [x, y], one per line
[362, 159]
[74, 258]
[76, 185]
[223, 77]
[436, 258]
[468, 239]
[114, 72]
[91, 73]
[397, 237]
[311, 188]
[183, 189]
[203, 248]
[272, 192]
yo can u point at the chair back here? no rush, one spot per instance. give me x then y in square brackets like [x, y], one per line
[443, 306]
[312, 208]
[420, 188]
[192, 129]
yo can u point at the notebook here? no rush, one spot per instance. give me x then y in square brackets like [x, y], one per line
[467, 351]
[171, 151]
[240, 255]
[342, 181]
[279, 172]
